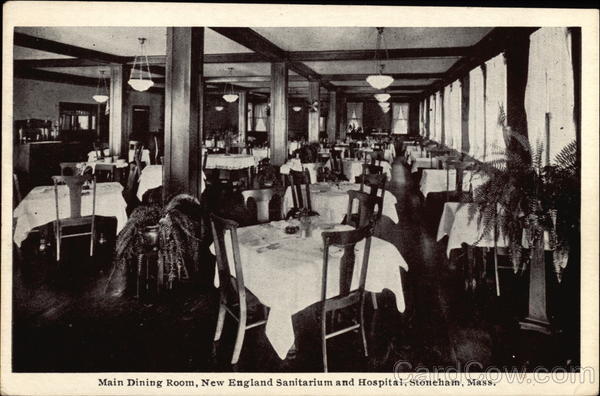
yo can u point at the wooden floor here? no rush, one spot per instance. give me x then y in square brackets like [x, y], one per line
[63, 321]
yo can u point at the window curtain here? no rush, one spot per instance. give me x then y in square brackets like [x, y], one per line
[400, 118]
[260, 117]
[495, 98]
[447, 115]
[476, 114]
[421, 123]
[355, 114]
[550, 90]
[455, 115]
[438, 116]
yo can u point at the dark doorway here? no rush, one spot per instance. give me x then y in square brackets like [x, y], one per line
[140, 123]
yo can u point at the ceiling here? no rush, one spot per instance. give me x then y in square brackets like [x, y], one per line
[339, 57]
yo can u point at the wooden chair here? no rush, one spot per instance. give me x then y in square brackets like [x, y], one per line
[73, 169]
[297, 179]
[75, 186]
[133, 178]
[374, 181]
[366, 208]
[106, 170]
[337, 164]
[347, 241]
[261, 199]
[17, 197]
[228, 281]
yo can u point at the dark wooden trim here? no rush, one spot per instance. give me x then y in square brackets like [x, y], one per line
[64, 78]
[272, 53]
[55, 62]
[399, 53]
[27, 41]
[495, 42]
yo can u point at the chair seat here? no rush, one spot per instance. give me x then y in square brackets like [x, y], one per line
[76, 221]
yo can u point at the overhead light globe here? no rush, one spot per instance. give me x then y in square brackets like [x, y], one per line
[219, 108]
[100, 98]
[140, 85]
[384, 105]
[296, 108]
[382, 97]
[230, 98]
[385, 110]
[380, 81]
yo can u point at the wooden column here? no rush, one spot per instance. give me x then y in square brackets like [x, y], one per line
[313, 116]
[118, 135]
[242, 116]
[332, 117]
[278, 131]
[343, 122]
[465, 114]
[184, 105]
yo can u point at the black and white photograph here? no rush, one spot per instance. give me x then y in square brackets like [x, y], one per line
[367, 204]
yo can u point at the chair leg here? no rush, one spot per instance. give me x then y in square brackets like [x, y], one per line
[324, 344]
[239, 340]
[362, 324]
[374, 299]
[220, 321]
[57, 247]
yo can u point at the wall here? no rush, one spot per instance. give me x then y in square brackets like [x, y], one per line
[226, 118]
[39, 99]
[374, 118]
[297, 121]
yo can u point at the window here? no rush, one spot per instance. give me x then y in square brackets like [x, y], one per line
[400, 118]
[355, 115]
[447, 115]
[495, 98]
[437, 127]
[250, 115]
[476, 115]
[549, 95]
[455, 118]
[261, 120]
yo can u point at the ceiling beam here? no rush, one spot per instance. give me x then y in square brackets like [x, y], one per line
[41, 44]
[357, 55]
[272, 53]
[64, 78]
[396, 76]
[55, 62]
[494, 43]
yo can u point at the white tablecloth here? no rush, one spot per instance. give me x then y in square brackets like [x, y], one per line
[260, 153]
[461, 228]
[38, 207]
[295, 164]
[411, 152]
[145, 156]
[293, 146]
[229, 161]
[331, 202]
[434, 180]
[353, 168]
[287, 276]
[423, 162]
[151, 177]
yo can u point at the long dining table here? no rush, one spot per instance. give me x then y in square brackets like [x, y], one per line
[284, 271]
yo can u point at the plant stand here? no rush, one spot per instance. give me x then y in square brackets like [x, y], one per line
[537, 318]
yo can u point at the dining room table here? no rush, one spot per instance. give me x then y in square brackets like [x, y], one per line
[330, 200]
[152, 177]
[441, 180]
[352, 168]
[423, 163]
[297, 165]
[284, 271]
[39, 207]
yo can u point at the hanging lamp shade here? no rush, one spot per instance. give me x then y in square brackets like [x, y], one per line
[101, 95]
[382, 97]
[229, 96]
[136, 78]
[384, 105]
[296, 108]
[219, 108]
[380, 80]
[385, 110]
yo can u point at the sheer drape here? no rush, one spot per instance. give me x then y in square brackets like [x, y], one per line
[476, 113]
[550, 90]
[355, 114]
[447, 115]
[260, 117]
[455, 118]
[400, 118]
[495, 99]
[438, 117]
[421, 118]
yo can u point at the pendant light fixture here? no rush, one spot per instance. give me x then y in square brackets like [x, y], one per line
[136, 78]
[382, 97]
[380, 80]
[230, 96]
[101, 95]
[297, 108]
[219, 108]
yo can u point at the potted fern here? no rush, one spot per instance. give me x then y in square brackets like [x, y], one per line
[173, 231]
[536, 204]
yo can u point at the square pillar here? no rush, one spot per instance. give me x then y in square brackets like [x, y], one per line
[313, 116]
[332, 117]
[242, 116]
[118, 136]
[278, 131]
[184, 106]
